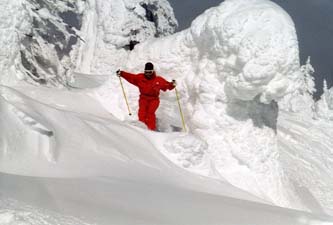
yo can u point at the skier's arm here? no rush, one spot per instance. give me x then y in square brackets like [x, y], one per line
[166, 85]
[132, 78]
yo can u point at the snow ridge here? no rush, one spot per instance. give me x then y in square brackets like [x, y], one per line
[18, 124]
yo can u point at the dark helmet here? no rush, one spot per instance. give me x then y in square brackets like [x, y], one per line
[149, 66]
[149, 71]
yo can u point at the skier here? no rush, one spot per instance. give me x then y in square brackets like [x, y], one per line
[149, 85]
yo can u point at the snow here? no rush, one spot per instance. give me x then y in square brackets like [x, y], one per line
[223, 102]
[254, 45]
[307, 158]
[110, 25]
[131, 204]
[17, 213]
[255, 148]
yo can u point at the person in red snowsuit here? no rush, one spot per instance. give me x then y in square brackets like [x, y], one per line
[149, 85]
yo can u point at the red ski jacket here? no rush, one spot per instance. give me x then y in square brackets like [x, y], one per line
[148, 88]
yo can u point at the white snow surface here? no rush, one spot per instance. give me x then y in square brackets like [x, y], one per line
[13, 212]
[242, 161]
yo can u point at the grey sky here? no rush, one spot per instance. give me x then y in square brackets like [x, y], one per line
[314, 25]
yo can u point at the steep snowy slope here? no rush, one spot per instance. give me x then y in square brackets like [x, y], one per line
[106, 172]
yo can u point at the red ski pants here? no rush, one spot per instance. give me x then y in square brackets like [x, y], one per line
[147, 109]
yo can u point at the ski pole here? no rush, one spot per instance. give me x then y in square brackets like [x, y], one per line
[180, 110]
[122, 87]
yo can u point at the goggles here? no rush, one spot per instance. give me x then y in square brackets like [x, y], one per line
[149, 71]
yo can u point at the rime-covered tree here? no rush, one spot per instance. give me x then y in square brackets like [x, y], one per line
[324, 107]
[309, 84]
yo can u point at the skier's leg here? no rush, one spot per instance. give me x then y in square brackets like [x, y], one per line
[151, 117]
[142, 113]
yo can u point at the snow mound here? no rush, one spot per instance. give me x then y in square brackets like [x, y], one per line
[255, 47]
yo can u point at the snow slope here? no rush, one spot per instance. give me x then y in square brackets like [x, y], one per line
[244, 160]
[121, 201]
[306, 154]
[113, 183]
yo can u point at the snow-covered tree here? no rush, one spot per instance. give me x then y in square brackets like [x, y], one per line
[324, 107]
[307, 71]
[301, 99]
[325, 89]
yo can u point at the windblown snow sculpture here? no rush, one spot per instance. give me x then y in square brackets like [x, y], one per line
[253, 45]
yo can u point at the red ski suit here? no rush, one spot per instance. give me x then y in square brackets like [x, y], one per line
[149, 95]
